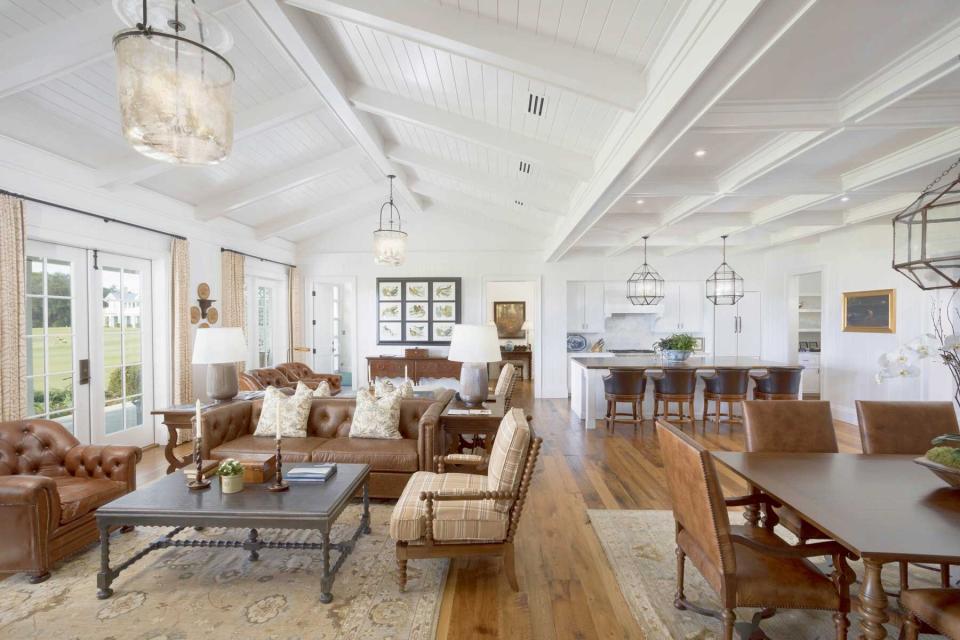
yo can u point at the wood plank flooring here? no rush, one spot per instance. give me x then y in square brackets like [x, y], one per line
[567, 589]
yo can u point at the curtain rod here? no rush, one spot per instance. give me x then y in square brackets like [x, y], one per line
[292, 266]
[93, 215]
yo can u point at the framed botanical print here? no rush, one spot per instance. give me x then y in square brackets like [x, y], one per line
[870, 311]
[509, 318]
[417, 310]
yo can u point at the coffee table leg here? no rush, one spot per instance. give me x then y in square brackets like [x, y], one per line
[873, 602]
[252, 544]
[365, 518]
[326, 580]
[105, 577]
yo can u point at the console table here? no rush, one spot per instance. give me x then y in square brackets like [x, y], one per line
[416, 368]
[525, 356]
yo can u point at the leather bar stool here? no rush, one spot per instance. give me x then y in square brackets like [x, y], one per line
[724, 385]
[674, 385]
[624, 385]
[778, 383]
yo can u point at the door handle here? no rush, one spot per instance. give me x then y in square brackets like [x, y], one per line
[83, 373]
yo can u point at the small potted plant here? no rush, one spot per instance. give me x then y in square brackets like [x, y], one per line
[944, 459]
[676, 347]
[231, 476]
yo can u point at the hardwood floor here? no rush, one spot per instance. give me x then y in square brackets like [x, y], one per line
[567, 589]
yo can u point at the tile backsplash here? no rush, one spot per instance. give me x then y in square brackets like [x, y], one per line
[630, 331]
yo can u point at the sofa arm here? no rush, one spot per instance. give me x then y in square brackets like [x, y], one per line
[223, 424]
[110, 462]
[29, 512]
[333, 379]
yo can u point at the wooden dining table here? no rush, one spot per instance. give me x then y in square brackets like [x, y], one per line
[881, 508]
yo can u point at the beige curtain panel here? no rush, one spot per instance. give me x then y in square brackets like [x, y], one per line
[182, 349]
[295, 296]
[13, 324]
[233, 308]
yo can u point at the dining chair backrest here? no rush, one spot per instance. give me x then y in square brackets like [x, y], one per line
[789, 426]
[698, 504]
[728, 382]
[903, 427]
[780, 380]
[625, 382]
[676, 381]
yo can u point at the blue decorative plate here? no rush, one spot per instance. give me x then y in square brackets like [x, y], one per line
[576, 342]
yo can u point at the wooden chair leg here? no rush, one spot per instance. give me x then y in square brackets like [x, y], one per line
[680, 597]
[402, 565]
[904, 576]
[634, 407]
[911, 628]
[729, 619]
[705, 413]
[510, 567]
[944, 576]
[842, 624]
[717, 415]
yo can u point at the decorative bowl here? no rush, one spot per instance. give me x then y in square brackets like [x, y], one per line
[674, 355]
[948, 474]
[576, 342]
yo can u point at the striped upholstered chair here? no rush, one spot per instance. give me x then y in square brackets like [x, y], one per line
[449, 515]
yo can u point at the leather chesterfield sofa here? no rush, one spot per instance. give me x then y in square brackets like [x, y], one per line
[258, 379]
[228, 433]
[297, 371]
[50, 487]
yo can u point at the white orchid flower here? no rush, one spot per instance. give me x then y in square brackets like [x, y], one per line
[951, 342]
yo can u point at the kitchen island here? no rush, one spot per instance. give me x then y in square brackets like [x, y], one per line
[586, 379]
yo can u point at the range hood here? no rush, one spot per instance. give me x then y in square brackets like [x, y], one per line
[625, 307]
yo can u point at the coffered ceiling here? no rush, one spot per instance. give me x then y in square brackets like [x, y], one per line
[580, 125]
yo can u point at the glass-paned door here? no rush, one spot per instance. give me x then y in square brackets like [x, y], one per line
[121, 389]
[265, 322]
[335, 330]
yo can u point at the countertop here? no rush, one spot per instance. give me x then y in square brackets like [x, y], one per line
[653, 362]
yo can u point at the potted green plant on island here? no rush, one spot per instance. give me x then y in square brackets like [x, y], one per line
[676, 347]
[231, 476]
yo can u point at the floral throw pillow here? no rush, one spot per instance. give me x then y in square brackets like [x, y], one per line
[322, 390]
[406, 389]
[293, 413]
[383, 387]
[377, 417]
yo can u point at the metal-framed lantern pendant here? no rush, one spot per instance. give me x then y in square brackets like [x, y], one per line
[926, 236]
[724, 286]
[645, 285]
[390, 242]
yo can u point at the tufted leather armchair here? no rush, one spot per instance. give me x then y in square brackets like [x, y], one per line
[50, 487]
[295, 371]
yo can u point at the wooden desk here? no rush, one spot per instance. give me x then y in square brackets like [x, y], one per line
[881, 508]
[462, 425]
[525, 356]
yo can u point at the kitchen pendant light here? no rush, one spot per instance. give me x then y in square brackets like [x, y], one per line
[645, 286]
[926, 236]
[390, 242]
[174, 85]
[724, 286]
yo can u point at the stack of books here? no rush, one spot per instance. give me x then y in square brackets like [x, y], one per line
[311, 473]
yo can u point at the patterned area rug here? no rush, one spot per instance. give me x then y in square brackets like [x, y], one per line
[185, 593]
[640, 548]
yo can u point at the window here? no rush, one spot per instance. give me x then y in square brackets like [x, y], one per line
[265, 326]
[122, 348]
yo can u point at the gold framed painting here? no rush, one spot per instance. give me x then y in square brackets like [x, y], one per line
[870, 311]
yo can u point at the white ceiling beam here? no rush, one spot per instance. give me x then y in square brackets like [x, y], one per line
[879, 208]
[928, 151]
[258, 119]
[520, 216]
[601, 77]
[787, 206]
[223, 203]
[330, 207]
[391, 106]
[515, 184]
[295, 34]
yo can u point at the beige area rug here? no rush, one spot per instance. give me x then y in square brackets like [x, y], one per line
[639, 546]
[187, 593]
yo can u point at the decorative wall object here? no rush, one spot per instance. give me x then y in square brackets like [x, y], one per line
[870, 311]
[417, 310]
[204, 309]
[509, 318]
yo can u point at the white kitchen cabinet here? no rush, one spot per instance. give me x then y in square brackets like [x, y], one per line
[736, 327]
[682, 307]
[585, 307]
[811, 372]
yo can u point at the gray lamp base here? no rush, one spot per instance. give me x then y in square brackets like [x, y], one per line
[222, 381]
[473, 383]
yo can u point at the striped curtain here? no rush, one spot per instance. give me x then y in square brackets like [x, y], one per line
[182, 368]
[295, 297]
[233, 307]
[13, 325]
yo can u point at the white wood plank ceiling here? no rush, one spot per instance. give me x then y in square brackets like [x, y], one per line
[581, 124]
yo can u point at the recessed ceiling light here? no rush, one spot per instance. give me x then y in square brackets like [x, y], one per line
[845, 199]
[639, 201]
[700, 153]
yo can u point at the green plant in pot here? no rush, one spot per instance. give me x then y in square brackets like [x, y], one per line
[676, 347]
[944, 459]
[231, 476]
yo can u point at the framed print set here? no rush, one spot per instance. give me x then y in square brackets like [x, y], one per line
[417, 310]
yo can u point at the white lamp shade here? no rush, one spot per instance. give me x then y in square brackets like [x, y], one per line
[220, 345]
[527, 325]
[474, 343]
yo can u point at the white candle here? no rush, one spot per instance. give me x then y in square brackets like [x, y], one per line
[369, 375]
[405, 376]
[197, 426]
[278, 419]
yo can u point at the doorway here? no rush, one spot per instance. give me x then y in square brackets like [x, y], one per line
[806, 298]
[331, 327]
[517, 301]
[90, 343]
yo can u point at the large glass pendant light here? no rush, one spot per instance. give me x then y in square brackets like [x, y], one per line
[645, 286]
[175, 86]
[724, 286]
[926, 236]
[390, 242]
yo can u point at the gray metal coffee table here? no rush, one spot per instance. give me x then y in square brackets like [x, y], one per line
[168, 503]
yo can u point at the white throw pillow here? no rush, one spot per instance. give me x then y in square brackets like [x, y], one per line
[383, 387]
[294, 413]
[376, 417]
[406, 389]
[322, 390]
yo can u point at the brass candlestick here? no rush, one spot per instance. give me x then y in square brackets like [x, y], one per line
[199, 483]
[278, 483]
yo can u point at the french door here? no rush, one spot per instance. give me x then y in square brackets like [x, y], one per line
[264, 319]
[89, 343]
[325, 325]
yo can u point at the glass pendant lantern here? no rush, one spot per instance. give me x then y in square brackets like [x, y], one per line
[174, 84]
[390, 241]
[724, 286]
[926, 236]
[645, 285]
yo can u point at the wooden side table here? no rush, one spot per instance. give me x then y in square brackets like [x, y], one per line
[180, 418]
[459, 425]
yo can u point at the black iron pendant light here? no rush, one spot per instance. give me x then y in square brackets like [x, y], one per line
[724, 286]
[645, 286]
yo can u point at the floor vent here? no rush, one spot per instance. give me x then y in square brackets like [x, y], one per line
[535, 104]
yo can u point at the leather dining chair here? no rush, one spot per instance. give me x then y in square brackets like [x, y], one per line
[724, 385]
[746, 566]
[931, 611]
[628, 386]
[778, 383]
[789, 426]
[674, 385]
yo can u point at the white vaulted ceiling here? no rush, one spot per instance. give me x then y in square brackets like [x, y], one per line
[548, 119]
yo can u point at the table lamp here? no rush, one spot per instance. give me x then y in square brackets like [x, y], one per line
[220, 349]
[474, 345]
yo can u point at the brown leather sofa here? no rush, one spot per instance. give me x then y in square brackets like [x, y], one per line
[50, 486]
[249, 382]
[257, 379]
[296, 371]
[228, 433]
